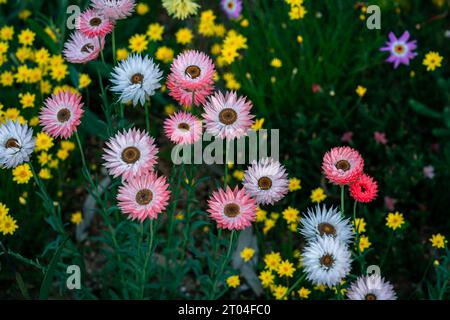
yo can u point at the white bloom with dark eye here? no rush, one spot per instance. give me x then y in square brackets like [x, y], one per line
[136, 79]
[372, 287]
[320, 222]
[16, 144]
[266, 181]
[326, 261]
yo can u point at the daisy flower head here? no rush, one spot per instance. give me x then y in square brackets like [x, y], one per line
[232, 8]
[267, 181]
[342, 165]
[129, 154]
[143, 196]
[114, 9]
[81, 48]
[372, 287]
[364, 189]
[401, 50]
[183, 128]
[61, 114]
[228, 117]
[180, 9]
[136, 79]
[326, 261]
[93, 23]
[232, 209]
[188, 98]
[320, 222]
[16, 144]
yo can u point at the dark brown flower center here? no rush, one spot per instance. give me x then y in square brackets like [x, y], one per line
[343, 165]
[399, 48]
[327, 229]
[137, 78]
[131, 155]
[232, 210]
[184, 126]
[144, 197]
[230, 5]
[327, 260]
[228, 116]
[193, 72]
[96, 21]
[87, 48]
[63, 115]
[264, 183]
[371, 296]
[12, 143]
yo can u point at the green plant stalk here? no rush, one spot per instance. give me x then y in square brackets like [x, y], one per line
[342, 199]
[147, 258]
[113, 37]
[299, 280]
[222, 267]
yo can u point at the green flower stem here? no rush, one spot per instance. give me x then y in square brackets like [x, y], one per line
[147, 115]
[113, 37]
[147, 259]
[222, 267]
[342, 199]
[294, 286]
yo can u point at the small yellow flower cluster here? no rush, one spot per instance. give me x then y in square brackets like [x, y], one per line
[318, 195]
[208, 27]
[231, 45]
[360, 226]
[230, 81]
[297, 11]
[438, 241]
[8, 225]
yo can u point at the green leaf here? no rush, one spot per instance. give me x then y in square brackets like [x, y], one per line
[93, 125]
[424, 110]
[22, 286]
[47, 282]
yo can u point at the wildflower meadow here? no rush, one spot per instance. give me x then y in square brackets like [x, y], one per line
[224, 150]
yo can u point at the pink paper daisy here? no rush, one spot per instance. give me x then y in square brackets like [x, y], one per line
[81, 49]
[342, 165]
[364, 189]
[183, 128]
[144, 196]
[61, 114]
[228, 116]
[92, 23]
[114, 9]
[232, 209]
[184, 97]
[130, 154]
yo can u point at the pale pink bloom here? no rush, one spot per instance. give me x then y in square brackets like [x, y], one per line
[232, 209]
[380, 137]
[81, 49]
[428, 172]
[61, 114]
[183, 128]
[130, 154]
[347, 137]
[144, 196]
[342, 165]
[184, 97]
[390, 203]
[93, 23]
[114, 9]
[228, 117]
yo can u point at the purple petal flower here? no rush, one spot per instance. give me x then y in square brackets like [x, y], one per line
[401, 50]
[232, 8]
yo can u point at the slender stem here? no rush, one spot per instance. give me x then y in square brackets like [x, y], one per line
[294, 286]
[113, 36]
[230, 246]
[83, 158]
[391, 237]
[101, 52]
[147, 115]
[342, 199]
[147, 258]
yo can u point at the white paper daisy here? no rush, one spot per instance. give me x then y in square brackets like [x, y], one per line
[372, 287]
[16, 144]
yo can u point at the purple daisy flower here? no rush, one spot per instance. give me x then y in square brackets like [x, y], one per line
[401, 50]
[232, 8]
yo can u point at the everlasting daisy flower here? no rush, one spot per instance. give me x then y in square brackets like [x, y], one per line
[184, 97]
[61, 114]
[136, 79]
[130, 154]
[228, 117]
[326, 261]
[180, 9]
[364, 189]
[183, 128]
[401, 50]
[16, 144]
[342, 165]
[232, 209]
[114, 9]
[144, 196]
[81, 49]
[321, 222]
[232, 8]
[266, 181]
[371, 287]
[93, 23]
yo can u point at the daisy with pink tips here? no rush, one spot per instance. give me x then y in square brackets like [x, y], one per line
[115, 9]
[93, 23]
[61, 114]
[232, 209]
[364, 189]
[183, 128]
[228, 117]
[130, 153]
[401, 50]
[342, 165]
[81, 48]
[144, 196]
[187, 98]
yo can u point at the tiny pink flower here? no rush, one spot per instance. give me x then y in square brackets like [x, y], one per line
[380, 137]
[347, 137]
